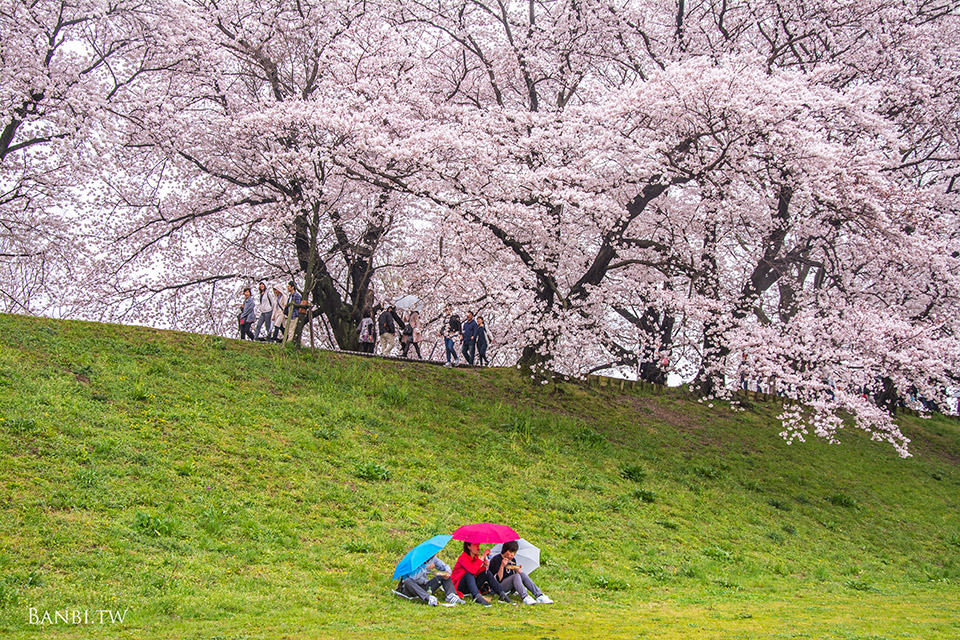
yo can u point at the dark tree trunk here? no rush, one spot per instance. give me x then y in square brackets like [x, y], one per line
[887, 397]
[659, 326]
[323, 292]
[714, 351]
[532, 362]
[708, 284]
[343, 311]
[338, 314]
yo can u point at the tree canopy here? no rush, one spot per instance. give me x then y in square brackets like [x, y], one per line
[724, 189]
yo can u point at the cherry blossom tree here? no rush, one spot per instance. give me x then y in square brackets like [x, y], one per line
[236, 142]
[724, 166]
[63, 63]
[728, 190]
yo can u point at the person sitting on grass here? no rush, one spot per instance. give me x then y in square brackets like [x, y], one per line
[471, 573]
[419, 584]
[511, 576]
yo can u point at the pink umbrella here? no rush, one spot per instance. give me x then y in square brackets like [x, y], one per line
[485, 532]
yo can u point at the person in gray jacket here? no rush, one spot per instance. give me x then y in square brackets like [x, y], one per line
[265, 305]
[419, 584]
[248, 315]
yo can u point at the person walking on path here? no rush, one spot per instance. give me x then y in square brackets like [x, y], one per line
[265, 304]
[469, 334]
[276, 317]
[483, 340]
[368, 332]
[248, 315]
[291, 310]
[387, 325]
[450, 331]
[411, 335]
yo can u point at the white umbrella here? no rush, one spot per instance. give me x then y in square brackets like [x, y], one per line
[528, 556]
[407, 302]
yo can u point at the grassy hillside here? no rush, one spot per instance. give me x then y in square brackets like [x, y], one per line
[218, 489]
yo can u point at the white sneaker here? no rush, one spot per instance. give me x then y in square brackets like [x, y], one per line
[432, 601]
[448, 365]
[529, 600]
[543, 599]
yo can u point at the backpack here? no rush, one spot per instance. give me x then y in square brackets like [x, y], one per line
[367, 335]
[455, 323]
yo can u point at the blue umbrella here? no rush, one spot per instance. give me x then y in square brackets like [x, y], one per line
[420, 554]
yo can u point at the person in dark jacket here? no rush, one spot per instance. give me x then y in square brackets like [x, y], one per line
[483, 340]
[469, 335]
[511, 575]
[389, 324]
[291, 309]
[248, 315]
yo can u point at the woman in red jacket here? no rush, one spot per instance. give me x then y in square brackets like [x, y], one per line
[471, 573]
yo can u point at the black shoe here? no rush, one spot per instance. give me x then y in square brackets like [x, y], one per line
[505, 599]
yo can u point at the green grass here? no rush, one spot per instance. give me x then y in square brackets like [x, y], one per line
[220, 489]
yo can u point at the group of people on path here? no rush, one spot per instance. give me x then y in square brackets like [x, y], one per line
[474, 574]
[273, 310]
[391, 328]
[471, 335]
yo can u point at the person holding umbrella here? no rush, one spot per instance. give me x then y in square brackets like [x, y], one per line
[411, 335]
[472, 572]
[509, 573]
[419, 584]
[414, 570]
